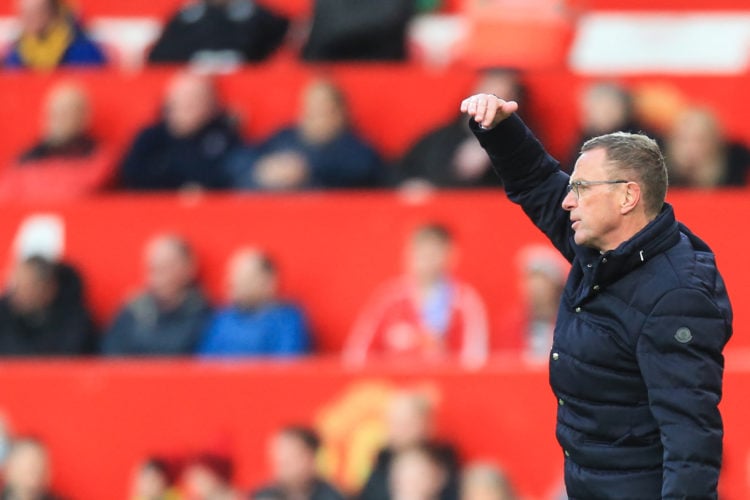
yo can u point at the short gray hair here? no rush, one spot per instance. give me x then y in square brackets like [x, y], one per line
[641, 156]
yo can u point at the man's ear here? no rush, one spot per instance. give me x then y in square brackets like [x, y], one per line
[630, 198]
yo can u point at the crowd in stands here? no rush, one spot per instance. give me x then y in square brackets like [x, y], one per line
[412, 464]
[425, 314]
[196, 143]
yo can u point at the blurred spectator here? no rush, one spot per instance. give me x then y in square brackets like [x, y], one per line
[322, 151]
[292, 453]
[257, 322]
[6, 441]
[418, 473]
[485, 482]
[229, 30]
[66, 161]
[450, 156]
[410, 425]
[606, 107]
[50, 37]
[170, 315]
[189, 146]
[542, 272]
[209, 477]
[348, 30]
[426, 314]
[42, 313]
[699, 156]
[154, 480]
[66, 125]
[27, 472]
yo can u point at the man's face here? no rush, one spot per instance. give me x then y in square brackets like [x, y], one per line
[201, 483]
[595, 215]
[249, 284]
[408, 424]
[292, 462]
[168, 271]
[428, 257]
[190, 104]
[66, 114]
[29, 293]
[35, 15]
[415, 477]
[27, 471]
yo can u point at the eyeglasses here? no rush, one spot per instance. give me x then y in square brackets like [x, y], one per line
[576, 186]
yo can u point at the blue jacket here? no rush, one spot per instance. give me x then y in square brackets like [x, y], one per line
[81, 52]
[636, 363]
[272, 330]
[345, 162]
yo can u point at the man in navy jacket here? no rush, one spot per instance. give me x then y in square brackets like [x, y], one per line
[636, 363]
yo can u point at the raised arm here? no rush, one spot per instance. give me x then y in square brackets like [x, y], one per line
[532, 178]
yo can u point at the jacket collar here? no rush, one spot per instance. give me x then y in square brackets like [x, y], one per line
[656, 237]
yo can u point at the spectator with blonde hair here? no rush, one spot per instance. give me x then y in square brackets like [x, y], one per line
[699, 156]
[321, 151]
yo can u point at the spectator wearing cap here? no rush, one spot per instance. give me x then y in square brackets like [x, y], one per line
[292, 454]
[256, 322]
[50, 37]
[43, 313]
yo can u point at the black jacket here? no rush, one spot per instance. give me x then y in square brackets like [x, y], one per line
[431, 159]
[636, 362]
[157, 160]
[65, 328]
[377, 486]
[242, 26]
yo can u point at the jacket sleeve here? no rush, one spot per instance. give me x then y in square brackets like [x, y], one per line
[679, 355]
[292, 336]
[532, 178]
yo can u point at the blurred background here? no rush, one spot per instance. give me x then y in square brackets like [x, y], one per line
[250, 249]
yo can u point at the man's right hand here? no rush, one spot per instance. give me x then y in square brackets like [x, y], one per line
[488, 110]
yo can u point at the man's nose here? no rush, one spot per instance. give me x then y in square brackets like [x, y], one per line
[570, 201]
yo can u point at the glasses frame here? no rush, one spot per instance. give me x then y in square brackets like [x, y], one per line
[575, 186]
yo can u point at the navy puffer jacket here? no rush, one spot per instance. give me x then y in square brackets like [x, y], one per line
[636, 364]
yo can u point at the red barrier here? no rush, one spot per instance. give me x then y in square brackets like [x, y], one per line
[100, 418]
[335, 249]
